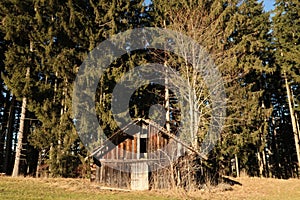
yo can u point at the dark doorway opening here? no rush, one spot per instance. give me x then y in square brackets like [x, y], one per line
[143, 146]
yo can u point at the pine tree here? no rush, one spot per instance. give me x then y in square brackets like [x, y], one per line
[60, 53]
[17, 25]
[287, 47]
[7, 110]
[251, 49]
[69, 30]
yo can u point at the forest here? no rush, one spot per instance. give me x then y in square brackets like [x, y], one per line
[44, 43]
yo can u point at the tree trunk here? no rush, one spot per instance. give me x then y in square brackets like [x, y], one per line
[3, 129]
[21, 131]
[260, 164]
[20, 136]
[9, 137]
[275, 152]
[266, 168]
[51, 157]
[294, 124]
[167, 100]
[297, 121]
[237, 165]
[38, 164]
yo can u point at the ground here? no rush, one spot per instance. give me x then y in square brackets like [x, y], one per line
[45, 189]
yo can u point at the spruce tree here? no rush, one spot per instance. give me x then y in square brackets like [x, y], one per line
[59, 53]
[250, 50]
[17, 26]
[69, 30]
[287, 47]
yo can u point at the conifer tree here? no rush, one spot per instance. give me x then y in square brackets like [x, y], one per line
[17, 25]
[69, 30]
[60, 53]
[287, 47]
[250, 50]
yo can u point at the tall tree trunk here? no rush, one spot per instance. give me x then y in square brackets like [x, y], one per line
[266, 167]
[237, 165]
[51, 157]
[275, 152]
[297, 121]
[260, 164]
[20, 132]
[38, 164]
[3, 130]
[60, 150]
[294, 124]
[296, 117]
[167, 99]
[9, 137]
[20, 139]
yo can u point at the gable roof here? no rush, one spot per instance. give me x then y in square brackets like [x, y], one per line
[120, 136]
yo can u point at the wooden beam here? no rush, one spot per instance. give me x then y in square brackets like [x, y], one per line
[174, 137]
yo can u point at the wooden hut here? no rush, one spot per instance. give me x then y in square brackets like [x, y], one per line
[129, 160]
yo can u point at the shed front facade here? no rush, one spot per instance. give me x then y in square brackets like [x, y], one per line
[136, 161]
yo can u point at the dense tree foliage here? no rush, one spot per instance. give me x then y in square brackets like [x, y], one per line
[43, 44]
[285, 121]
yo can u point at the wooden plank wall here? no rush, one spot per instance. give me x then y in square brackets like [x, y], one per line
[128, 149]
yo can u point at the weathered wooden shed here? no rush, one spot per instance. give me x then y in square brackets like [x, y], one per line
[135, 161]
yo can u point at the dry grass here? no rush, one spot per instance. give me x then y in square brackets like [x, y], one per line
[59, 188]
[252, 188]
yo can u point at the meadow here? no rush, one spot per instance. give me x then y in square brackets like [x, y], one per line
[63, 189]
